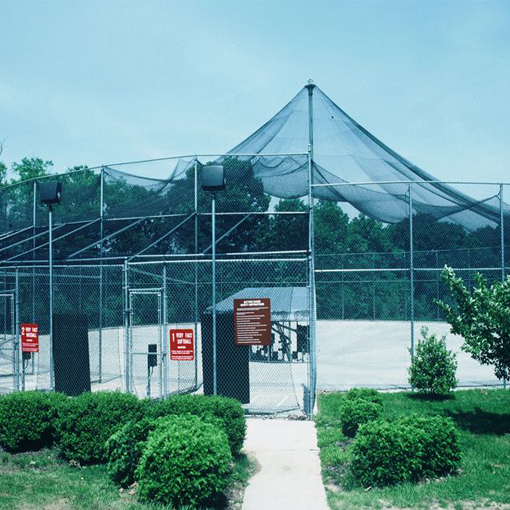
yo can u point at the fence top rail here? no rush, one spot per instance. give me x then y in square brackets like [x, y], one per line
[373, 183]
[155, 160]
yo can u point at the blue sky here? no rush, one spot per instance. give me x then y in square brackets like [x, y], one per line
[93, 82]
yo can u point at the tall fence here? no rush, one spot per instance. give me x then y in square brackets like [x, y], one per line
[377, 284]
[349, 294]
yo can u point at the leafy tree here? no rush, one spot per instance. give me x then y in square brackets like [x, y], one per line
[482, 318]
[30, 168]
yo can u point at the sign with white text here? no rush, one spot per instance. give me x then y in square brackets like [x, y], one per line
[29, 337]
[182, 345]
[252, 321]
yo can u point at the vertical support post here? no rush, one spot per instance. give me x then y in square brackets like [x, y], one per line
[17, 345]
[213, 230]
[502, 239]
[50, 263]
[502, 233]
[373, 287]
[101, 235]
[34, 225]
[411, 269]
[196, 271]
[160, 341]
[126, 326]
[437, 282]
[311, 262]
[165, 359]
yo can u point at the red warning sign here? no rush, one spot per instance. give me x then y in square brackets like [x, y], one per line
[182, 345]
[29, 337]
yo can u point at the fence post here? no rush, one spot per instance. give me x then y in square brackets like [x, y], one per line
[502, 238]
[101, 233]
[17, 346]
[126, 324]
[196, 271]
[411, 269]
[165, 359]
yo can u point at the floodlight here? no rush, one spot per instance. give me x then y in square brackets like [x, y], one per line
[213, 178]
[50, 192]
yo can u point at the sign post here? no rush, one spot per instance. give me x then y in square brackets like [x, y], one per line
[252, 321]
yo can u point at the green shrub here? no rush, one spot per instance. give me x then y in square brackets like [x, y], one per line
[185, 462]
[364, 394]
[85, 423]
[124, 450]
[357, 407]
[432, 371]
[125, 447]
[357, 412]
[27, 420]
[405, 450]
[228, 410]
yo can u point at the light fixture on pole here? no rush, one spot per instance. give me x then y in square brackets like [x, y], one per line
[50, 193]
[213, 180]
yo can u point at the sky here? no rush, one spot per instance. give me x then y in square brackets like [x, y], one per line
[97, 82]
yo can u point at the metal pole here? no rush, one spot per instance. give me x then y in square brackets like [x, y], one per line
[311, 255]
[17, 346]
[213, 230]
[196, 272]
[502, 234]
[165, 359]
[411, 269]
[101, 231]
[34, 219]
[50, 263]
[126, 324]
[160, 346]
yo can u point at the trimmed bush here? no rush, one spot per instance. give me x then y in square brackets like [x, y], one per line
[405, 450]
[124, 450]
[85, 423]
[185, 462]
[357, 407]
[432, 371]
[357, 412]
[363, 394]
[227, 410]
[27, 420]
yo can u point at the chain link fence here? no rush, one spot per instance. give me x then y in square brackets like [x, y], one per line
[377, 283]
[133, 270]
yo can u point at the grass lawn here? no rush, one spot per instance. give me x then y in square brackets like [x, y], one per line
[483, 420]
[40, 480]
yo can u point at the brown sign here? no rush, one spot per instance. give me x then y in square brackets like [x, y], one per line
[252, 321]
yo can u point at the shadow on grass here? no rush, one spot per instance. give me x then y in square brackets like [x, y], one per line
[481, 422]
[430, 398]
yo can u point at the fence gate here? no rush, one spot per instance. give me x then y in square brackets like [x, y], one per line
[145, 353]
[9, 343]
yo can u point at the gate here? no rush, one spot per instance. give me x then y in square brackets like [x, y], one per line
[146, 354]
[9, 343]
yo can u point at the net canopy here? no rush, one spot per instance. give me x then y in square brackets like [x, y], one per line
[345, 152]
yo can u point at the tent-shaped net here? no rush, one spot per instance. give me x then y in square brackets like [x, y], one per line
[345, 152]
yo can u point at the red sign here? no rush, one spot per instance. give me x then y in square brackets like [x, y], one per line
[182, 345]
[29, 337]
[252, 321]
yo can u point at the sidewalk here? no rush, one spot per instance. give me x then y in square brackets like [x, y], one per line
[290, 471]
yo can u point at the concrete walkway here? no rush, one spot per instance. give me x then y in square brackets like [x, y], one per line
[290, 471]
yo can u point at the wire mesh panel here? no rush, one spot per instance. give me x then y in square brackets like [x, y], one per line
[8, 357]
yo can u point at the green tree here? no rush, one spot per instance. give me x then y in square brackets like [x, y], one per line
[30, 168]
[482, 318]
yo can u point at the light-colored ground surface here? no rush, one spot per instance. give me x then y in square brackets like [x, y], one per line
[349, 353]
[290, 472]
